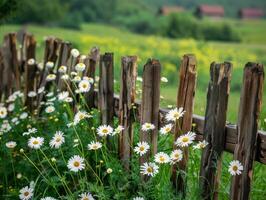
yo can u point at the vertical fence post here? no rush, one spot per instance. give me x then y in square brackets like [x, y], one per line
[185, 99]
[126, 101]
[214, 129]
[150, 104]
[90, 72]
[29, 46]
[1, 74]
[106, 88]
[247, 128]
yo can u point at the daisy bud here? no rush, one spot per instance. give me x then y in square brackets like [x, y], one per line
[109, 170]
[21, 150]
[53, 159]
[19, 176]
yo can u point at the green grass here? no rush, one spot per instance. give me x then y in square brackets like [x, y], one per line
[169, 52]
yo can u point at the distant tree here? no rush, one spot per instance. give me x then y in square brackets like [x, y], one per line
[7, 7]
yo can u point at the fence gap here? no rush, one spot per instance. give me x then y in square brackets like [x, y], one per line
[150, 105]
[247, 127]
[185, 99]
[214, 129]
[126, 103]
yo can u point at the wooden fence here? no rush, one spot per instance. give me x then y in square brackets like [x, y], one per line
[243, 140]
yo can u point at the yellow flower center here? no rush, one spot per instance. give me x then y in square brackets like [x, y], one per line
[150, 169]
[95, 146]
[35, 142]
[176, 156]
[26, 194]
[167, 129]
[85, 198]
[162, 159]
[58, 139]
[185, 139]
[141, 148]
[76, 164]
[84, 85]
[176, 115]
[105, 131]
[235, 168]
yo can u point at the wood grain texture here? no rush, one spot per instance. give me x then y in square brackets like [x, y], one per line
[150, 105]
[127, 100]
[214, 129]
[247, 128]
[185, 99]
[106, 88]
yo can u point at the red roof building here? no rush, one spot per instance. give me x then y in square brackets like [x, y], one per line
[214, 11]
[250, 13]
[166, 10]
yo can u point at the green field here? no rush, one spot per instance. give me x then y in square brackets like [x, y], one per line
[169, 52]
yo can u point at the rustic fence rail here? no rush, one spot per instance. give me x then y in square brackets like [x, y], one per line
[19, 70]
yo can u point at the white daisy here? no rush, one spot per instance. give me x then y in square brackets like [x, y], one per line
[31, 61]
[84, 86]
[88, 79]
[86, 196]
[80, 67]
[74, 53]
[104, 130]
[35, 142]
[62, 69]
[49, 109]
[48, 198]
[118, 130]
[164, 79]
[201, 145]
[94, 145]
[63, 95]
[11, 144]
[26, 193]
[76, 79]
[166, 129]
[161, 158]
[23, 115]
[68, 99]
[150, 169]
[175, 114]
[50, 77]
[11, 107]
[76, 163]
[147, 127]
[57, 140]
[138, 198]
[186, 139]
[65, 77]
[32, 94]
[50, 94]
[109, 171]
[41, 90]
[176, 156]
[235, 168]
[49, 64]
[80, 115]
[142, 148]
[3, 112]
[73, 73]
[40, 66]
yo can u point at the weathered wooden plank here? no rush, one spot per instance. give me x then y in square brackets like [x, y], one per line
[150, 105]
[106, 88]
[127, 99]
[185, 99]
[247, 128]
[90, 72]
[214, 129]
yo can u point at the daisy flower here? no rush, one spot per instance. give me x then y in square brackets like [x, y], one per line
[74, 53]
[186, 139]
[161, 158]
[76, 163]
[62, 69]
[80, 115]
[23, 115]
[104, 130]
[41, 90]
[49, 64]
[150, 169]
[80, 67]
[118, 130]
[35, 142]
[138, 198]
[109, 171]
[50, 77]
[175, 114]
[26, 193]
[166, 129]
[235, 168]
[40, 66]
[68, 99]
[57, 140]
[147, 127]
[65, 77]
[94, 145]
[31, 61]
[142, 148]
[84, 86]
[86, 196]
[62, 95]
[3, 112]
[176, 156]
[11, 144]
[201, 145]
[48, 198]
[76, 79]
[32, 94]
[164, 79]
[49, 109]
